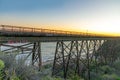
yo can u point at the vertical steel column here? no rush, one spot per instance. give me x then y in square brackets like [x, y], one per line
[39, 56]
[73, 60]
[55, 57]
[69, 57]
[59, 60]
[97, 47]
[77, 57]
[63, 56]
[36, 55]
[0, 47]
[88, 62]
[33, 54]
[95, 55]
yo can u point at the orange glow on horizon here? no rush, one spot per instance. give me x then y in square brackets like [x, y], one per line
[64, 28]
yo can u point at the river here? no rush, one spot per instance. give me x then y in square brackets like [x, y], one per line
[47, 50]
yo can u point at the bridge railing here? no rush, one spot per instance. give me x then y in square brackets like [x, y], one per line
[16, 29]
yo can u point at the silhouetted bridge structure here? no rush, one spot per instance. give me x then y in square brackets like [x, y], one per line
[72, 48]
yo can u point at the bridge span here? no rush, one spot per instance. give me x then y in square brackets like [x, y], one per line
[72, 48]
[15, 33]
[8, 30]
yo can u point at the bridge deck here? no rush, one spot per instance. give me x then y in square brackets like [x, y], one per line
[51, 39]
[7, 30]
[15, 33]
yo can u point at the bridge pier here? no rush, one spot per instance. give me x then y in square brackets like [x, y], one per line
[59, 59]
[75, 57]
[36, 55]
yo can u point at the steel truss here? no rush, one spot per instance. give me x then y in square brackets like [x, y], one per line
[36, 55]
[70, 56]
[75, 57]
[33, 49]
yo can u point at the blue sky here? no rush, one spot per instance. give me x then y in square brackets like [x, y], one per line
[29, 5]
[62, 14]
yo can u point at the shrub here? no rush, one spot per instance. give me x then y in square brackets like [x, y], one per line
[76, 77]
[2, 65]
[47, 66]
[116, 65]
[23, 71]
[16, 70]
[14, 77]
[110, 77]
[50, 78]
[1, 69]
[95, 76]
[9, 60]
[107, 69]
[107, 77]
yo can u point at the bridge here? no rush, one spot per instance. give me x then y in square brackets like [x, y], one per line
[72, 48]
[8, 32]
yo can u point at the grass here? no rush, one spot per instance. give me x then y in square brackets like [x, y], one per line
[12, 69]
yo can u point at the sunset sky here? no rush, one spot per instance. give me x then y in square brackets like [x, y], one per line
[76, 15]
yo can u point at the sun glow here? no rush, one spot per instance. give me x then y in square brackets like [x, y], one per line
[107, 25]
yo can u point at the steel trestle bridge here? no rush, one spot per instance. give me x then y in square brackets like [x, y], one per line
[72, 48]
